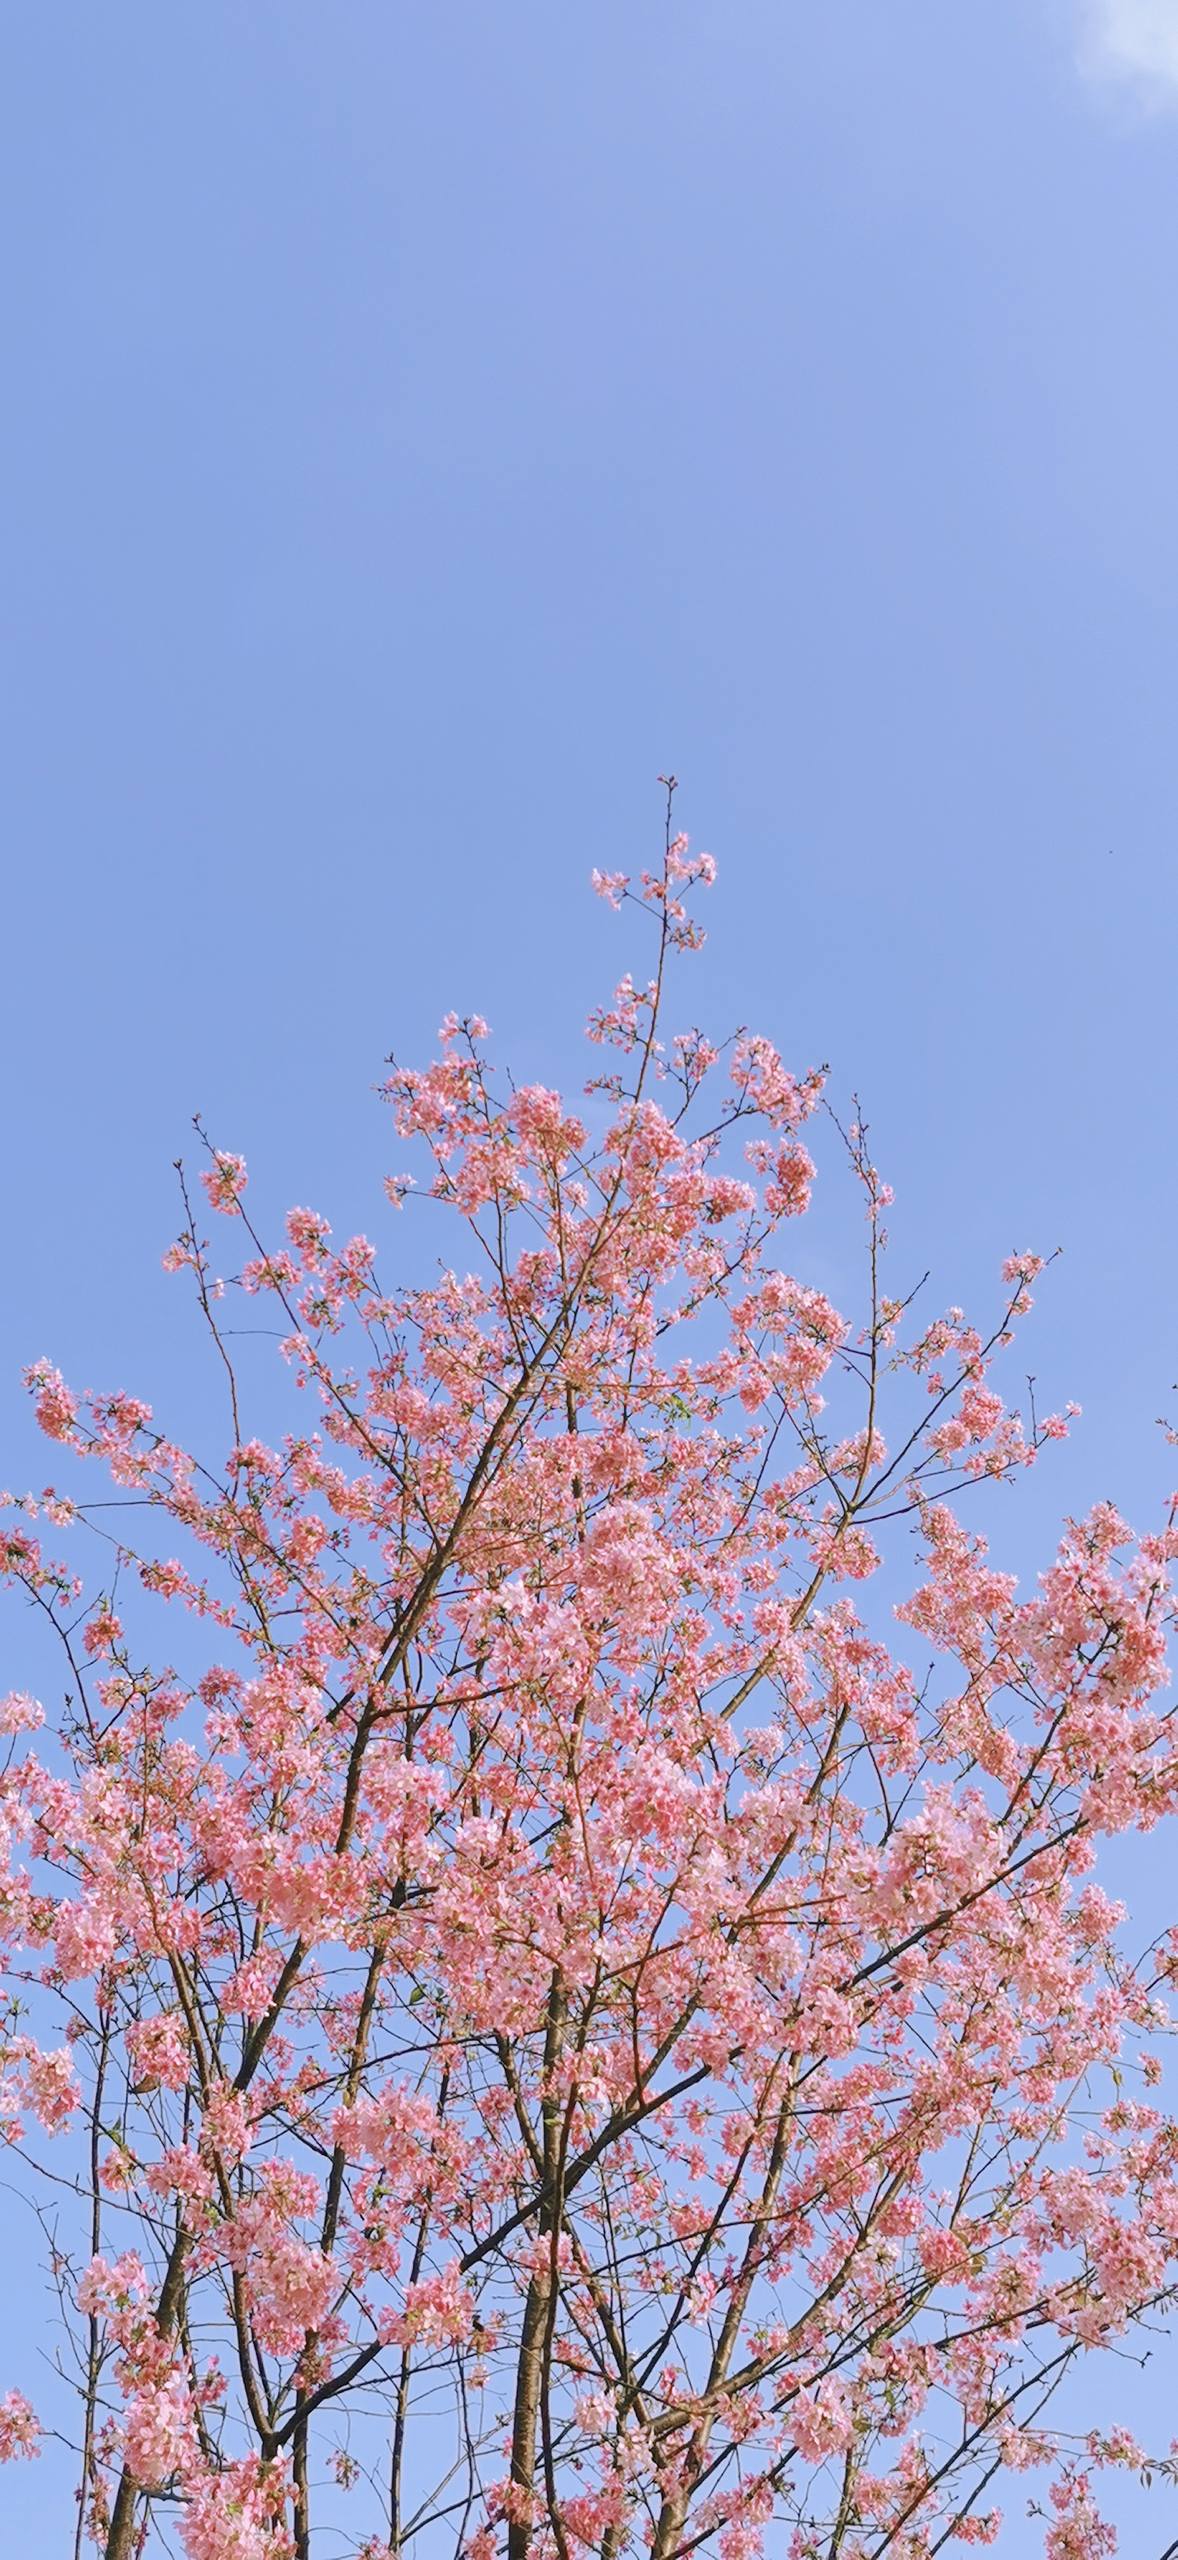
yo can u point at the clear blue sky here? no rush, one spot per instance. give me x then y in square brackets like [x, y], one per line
[425, 422]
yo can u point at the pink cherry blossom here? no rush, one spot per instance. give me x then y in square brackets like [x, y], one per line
[20, 2431]
[224, 1181]
[562, 1926]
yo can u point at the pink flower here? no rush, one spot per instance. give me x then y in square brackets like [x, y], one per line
[236, 2514]
[56, 1409]
[821, 2422]
[159, 2051]
[228, 2128]
[20, 2430]
[48, 2083]
[85, 1937]
[158, 2432]
[19, 1713]
[437, 2311]
[610, 885]
[224, 1181]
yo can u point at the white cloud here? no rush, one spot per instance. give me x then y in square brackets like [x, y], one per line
[1137, 39]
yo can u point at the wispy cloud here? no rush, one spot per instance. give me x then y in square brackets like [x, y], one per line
[1135, 40]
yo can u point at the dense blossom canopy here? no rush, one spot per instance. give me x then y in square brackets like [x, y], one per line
[570, 2038]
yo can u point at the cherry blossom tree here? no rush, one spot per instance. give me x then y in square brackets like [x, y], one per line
[584, 2019]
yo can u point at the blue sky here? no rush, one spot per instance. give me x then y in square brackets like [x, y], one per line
[425, 423]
